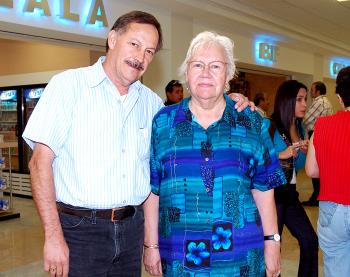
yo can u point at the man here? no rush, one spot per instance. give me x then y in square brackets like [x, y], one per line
[261, 104]
[174, 92]
[90, 166]
[90, 132]
[320, 107]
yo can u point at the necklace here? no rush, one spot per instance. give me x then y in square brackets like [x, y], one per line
[347, 109]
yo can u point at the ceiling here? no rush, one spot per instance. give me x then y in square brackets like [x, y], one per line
[323, 25]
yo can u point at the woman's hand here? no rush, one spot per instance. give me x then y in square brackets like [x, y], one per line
[272, 254]
[241, 102]
[289, 152]
[152, 262]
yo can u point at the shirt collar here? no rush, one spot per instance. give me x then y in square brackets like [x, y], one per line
[183, 113]
[97, 75]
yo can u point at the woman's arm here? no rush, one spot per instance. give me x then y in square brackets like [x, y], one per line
[266, 205]
[151, 256]
[311, 166]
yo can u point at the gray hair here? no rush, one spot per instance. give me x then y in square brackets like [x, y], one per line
[210, 38]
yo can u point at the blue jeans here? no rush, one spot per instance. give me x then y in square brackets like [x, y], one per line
[333, 228]
[100, 248]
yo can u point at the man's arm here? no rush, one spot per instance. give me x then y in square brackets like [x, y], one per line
[56, 252]
[265, 202]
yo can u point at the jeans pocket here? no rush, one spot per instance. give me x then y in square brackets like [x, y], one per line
[70, 221]
[326, 212]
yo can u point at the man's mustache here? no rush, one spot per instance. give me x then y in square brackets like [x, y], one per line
[135, 64]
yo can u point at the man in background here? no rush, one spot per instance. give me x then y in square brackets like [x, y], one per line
[174, 92]
[261, 104]
[320, 107]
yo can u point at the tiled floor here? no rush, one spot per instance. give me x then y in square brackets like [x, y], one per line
[21, 240]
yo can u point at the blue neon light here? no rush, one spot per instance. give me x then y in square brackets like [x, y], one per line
[336, 64]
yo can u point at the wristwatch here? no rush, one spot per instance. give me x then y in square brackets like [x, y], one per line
[275, 237]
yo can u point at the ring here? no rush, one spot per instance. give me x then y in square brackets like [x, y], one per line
[53, 269]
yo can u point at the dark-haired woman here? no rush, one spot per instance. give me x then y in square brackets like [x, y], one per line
[328, 158]
[288, 137]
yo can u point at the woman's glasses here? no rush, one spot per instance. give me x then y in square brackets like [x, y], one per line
[215, 67]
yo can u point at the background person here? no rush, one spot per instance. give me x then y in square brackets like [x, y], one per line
[320, 107]
[261, 104]
[90, 132]
[288, 135]
[174, 92]
[212, 174]
[328, 158]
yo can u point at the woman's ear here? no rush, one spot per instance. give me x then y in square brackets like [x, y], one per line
[341, 101]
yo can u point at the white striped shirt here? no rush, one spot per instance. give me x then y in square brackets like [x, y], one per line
[101, 143]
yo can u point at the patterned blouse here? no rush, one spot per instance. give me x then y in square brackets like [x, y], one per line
[209, 224]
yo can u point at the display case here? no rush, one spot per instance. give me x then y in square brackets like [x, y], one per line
[6, 200]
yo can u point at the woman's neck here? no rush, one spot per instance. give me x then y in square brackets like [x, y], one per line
[207, 112]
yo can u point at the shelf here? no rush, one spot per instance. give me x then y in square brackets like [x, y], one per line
[14, 110]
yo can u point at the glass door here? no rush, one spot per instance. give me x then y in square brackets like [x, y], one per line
[31, 97]
[9, 122]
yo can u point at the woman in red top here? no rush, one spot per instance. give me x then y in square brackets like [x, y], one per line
[329, 159]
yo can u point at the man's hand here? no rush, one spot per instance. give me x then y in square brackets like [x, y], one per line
[242, 102]
[272, 258]
[56, 257]
[152, 262]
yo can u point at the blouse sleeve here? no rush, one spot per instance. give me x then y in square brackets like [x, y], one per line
[155, 167]
[268, 171]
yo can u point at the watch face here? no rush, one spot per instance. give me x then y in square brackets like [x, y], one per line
[276, 237]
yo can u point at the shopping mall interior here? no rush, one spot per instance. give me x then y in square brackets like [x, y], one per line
[308, 41]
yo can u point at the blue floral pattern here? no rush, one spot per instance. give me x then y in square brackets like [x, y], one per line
[222, 238]
[197, 254]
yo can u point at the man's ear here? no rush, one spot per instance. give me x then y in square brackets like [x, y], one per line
[112, 39]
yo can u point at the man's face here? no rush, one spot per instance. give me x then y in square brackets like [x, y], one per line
[264, 104]
[314, 93]
[176, 95]
[131, 52]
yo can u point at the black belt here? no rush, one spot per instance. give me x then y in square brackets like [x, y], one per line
[116, 214]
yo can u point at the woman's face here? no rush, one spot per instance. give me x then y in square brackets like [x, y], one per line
[300, 104]
[206, 73]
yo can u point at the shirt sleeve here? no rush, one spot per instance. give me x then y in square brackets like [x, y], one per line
[50, 120]
[268, 171]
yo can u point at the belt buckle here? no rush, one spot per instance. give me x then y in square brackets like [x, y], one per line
[113, 213]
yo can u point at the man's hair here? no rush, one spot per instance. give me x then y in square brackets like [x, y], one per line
[343, 85]
[321, 87]
[260, 96]
[122, 23]
[170, 86]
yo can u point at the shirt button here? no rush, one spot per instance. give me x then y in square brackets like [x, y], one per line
[124, 176]
[206, 159]
[124, 201]
[123, 150]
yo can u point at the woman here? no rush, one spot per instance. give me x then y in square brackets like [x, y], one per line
[213, 171]
[328, 158]
[288, 138]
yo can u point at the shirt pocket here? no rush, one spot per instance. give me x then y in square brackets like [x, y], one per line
[326, 212]
[144, 141]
